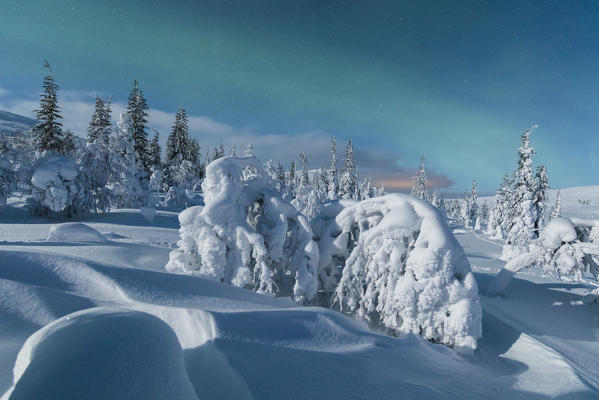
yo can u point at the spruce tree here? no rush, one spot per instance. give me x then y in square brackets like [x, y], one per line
[524, 211]
[419, 186]
[305, 179]
[48, 130]
[347, 184]
[473, 204]
[557, 208]
[137, 109]
[155, 151]
[68, 143]
[178, 146]
[541, 188]
[333, 181]
[100, 121]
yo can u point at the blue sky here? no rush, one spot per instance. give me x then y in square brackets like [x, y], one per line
[457, 82]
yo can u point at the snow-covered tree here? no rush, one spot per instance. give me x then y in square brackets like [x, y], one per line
[483, 217]
[155, 152]
[69, 147]
[100, 120]
[247, 235]
[176, 197]
[94, 176]
[156, 180]
[8, 179]
[473, 205]
[48, 130]
[233, 149]
[137, 108]
[466, 210]
[540, 198]
[556, 211]
[524, 215]
[348, 183]
[333, 181]
[419, 186]
[500, 217]
[127, 189]
[402, 269]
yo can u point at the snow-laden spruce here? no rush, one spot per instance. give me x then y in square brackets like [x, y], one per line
[402, 268]
[246, 234]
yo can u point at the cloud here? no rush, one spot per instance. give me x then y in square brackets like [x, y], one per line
[380, 165]
[3, 91]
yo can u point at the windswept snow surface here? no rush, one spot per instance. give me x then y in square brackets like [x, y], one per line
[539, 342]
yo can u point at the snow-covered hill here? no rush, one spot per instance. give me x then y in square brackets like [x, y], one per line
[11, 123]
[64, 295]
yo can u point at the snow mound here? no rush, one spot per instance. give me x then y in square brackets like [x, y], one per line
[102, 353]
[74, 232]
[558, 230]
[246, 234]
[403, 268]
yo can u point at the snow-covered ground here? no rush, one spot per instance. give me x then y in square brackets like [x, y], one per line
[540, 341]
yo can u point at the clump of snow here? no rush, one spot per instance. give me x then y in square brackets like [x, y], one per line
[102, 353]
[74, 232]
[176, 197]
[148, 213]
[557, 231]
[54, 183]
[403, 268]
[246, 234]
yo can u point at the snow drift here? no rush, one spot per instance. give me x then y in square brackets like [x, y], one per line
[403, 268]
[246, 234]
[102, 353]
[74, 232]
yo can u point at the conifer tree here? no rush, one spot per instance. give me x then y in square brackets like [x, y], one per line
[348, 183]
[137, 109]
[48, 130]
[68, 143]
[557, 208]
[541, 187]
[333, 181]
[155, 151]
[305, 179]
[473, 204]
[178, 142]
[100, 121]
[419, 186]
[499, 218]
[233, 149]
[525, 214]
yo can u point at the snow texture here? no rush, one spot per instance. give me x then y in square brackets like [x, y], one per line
[246, 234]
[74, 232]
[102, 353]
[402, 265]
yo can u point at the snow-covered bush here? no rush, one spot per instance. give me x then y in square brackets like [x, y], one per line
[246, 234]
[176, 197]
[564, 249]
[402, 268]
[55, 187]
[156, 180]
[8, 180]
[94, 174]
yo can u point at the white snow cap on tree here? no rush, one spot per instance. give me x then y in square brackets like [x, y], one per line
[247, 235]
[402, 265]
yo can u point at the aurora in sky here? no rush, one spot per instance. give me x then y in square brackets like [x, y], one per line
[456, 81]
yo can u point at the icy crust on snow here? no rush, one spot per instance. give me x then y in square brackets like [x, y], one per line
[102, 353]
[74, 232]
[402, 266]
[246, 234]
[54, 179]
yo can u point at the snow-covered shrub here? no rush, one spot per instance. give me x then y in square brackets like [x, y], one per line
[176, 197]
[246, 234]
[55, 187]
[94, 173]
[564, 249]
[401, 267]
[156, 180]
[8, 180]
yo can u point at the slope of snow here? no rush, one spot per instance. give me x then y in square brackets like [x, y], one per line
[128, 354]
[11, 123]
[237, 344]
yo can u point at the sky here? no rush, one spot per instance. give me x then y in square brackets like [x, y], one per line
[455, 81]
